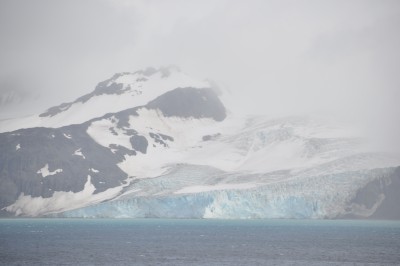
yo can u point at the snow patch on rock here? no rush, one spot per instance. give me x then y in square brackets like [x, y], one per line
[45, 171]
[78, 152]
[94, 171]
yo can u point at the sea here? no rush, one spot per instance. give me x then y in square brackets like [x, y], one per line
[198, 242]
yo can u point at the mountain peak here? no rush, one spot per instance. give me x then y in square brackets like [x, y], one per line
[142, 75]
[165, 71]
[122, 91]
[128, 82]
[127, 90]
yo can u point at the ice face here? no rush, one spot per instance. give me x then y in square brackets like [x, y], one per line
[329, 196]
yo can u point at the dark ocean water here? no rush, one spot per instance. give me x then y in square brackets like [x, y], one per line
[198, 242]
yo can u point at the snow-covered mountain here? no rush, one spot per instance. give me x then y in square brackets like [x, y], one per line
[158, 143]
[120, 92]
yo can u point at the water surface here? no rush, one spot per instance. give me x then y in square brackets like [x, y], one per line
[198, 242]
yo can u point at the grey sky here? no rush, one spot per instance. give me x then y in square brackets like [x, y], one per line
[291, 57]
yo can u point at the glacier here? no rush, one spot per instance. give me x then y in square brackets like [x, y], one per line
[316, 197]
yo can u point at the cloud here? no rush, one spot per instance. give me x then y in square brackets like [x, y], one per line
[339, 57]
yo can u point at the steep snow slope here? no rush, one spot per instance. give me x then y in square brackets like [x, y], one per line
[122, 91]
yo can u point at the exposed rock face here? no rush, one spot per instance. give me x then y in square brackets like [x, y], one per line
[68, 149]
[378, 199]
[190, 102]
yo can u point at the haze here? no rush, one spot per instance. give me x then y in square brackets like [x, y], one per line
[275, 57]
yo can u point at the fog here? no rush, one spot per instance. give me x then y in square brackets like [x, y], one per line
[339, 58]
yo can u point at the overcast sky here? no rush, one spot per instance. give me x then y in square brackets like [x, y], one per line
[291, 57]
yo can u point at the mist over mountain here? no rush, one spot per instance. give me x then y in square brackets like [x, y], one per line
[277, 57]
[160, 143]
[18, 99]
